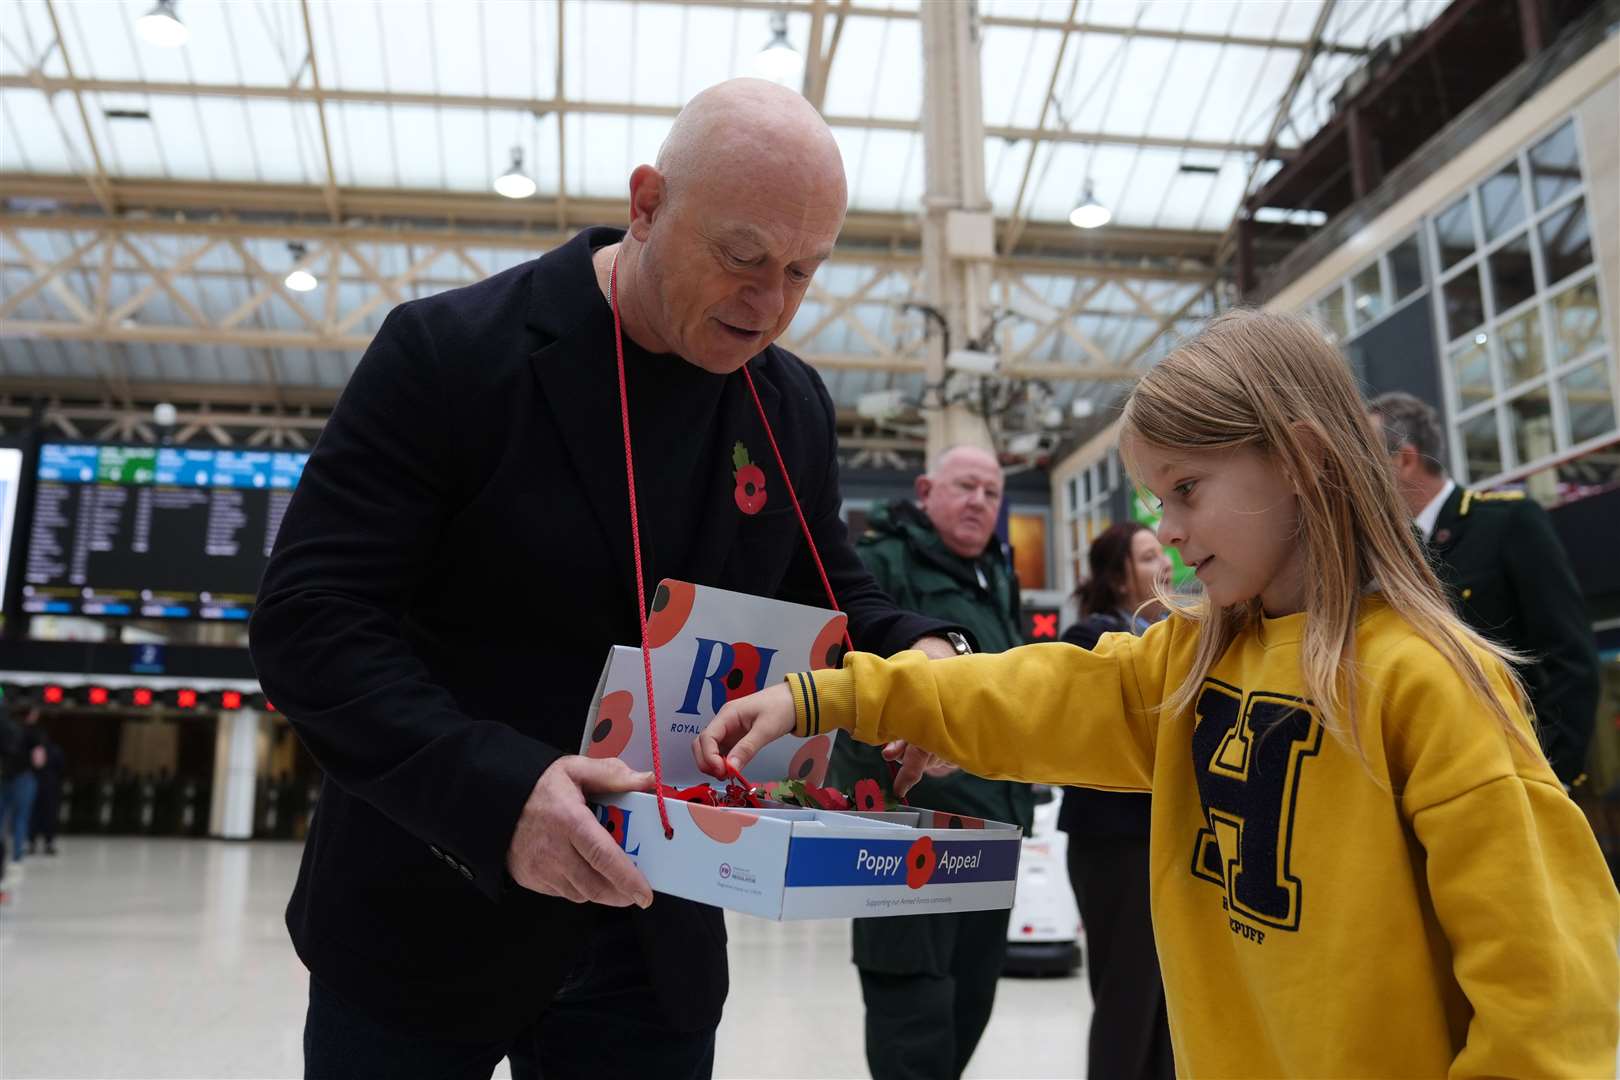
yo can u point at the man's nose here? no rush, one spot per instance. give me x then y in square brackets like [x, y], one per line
[765, 299]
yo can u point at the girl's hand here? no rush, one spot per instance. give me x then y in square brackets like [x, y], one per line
[743, 728]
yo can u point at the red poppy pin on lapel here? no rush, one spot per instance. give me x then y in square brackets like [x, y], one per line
[750, 493]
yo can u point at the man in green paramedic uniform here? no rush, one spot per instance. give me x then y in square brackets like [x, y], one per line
[929, 981]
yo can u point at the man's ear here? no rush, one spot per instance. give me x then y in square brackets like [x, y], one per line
[647, 196]
[922, 486]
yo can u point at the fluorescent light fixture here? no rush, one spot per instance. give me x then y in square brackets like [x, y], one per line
[880, 404]
[514, 183]
[300, 280]
[1277, 215]
[1090, 214]
[779, 61]
[162, 27]
[1024, 443]
[972, 361]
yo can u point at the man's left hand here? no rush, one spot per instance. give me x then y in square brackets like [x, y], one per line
[915, 762]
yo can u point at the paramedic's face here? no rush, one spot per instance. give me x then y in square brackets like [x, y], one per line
[1234, 517]
[729, 263]
[962, 497]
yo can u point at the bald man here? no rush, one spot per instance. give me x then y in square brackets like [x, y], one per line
[456, 562]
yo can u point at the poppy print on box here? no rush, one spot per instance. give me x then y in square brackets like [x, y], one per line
[671, 605]
[810, 763]
[612, 731]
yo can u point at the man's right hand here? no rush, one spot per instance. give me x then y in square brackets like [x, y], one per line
[560, 849]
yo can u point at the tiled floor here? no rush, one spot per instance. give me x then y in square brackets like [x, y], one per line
[167, 958]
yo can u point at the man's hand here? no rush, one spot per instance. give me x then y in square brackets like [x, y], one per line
[559, 848]
[935, 648]
[915, 762]
[743, 728]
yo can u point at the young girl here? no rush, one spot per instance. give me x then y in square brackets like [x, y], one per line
[1361, 863]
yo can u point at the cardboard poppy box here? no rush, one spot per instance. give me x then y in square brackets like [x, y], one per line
[709, 646]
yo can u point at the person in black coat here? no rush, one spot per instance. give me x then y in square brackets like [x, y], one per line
[456, 562]
[47, 814]
[1108, 835]
[1507, 576]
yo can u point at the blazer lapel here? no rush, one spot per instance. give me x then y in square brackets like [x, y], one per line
[576, 376]
[1446, 531]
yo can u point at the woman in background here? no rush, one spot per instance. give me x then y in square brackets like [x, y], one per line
[1108, 834]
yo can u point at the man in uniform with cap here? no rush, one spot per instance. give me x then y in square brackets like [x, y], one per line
[1507, 575]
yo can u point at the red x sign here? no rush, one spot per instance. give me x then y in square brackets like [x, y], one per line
[1043, 626]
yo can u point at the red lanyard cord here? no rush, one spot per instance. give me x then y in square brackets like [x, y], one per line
[635, 544]
[793, 497]
[635, 537]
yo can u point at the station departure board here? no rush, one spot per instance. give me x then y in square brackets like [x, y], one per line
[153, 532]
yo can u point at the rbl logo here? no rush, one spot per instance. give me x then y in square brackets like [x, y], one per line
[730, 671]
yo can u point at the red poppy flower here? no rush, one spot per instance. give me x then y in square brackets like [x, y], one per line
[697, 793]
[827, 798]
[868, 795]
[750, 493]
[920, 862]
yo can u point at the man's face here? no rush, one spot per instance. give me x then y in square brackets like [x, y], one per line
[962, 497]
[727, 266]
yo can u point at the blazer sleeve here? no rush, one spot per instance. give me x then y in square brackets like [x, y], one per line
[875, 624]
[327, 634]
[1559, 637]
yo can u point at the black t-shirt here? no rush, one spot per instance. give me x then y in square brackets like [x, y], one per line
[674, 407]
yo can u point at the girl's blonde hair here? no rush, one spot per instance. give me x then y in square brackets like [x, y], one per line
[1274, 383]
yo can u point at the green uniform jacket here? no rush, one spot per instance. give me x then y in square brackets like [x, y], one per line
[1509, 579]
[912, 565]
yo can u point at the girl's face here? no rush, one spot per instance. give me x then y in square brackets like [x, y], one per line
[1234, 516]
[1148, 564]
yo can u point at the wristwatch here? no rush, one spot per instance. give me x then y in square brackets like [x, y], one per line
[959, 643]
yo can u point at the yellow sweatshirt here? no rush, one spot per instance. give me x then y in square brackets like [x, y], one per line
[1446, 913]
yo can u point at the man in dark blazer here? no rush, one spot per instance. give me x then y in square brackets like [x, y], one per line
[1507, 576]
[456, 562]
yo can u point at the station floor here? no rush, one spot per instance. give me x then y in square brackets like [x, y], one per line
[127, 957]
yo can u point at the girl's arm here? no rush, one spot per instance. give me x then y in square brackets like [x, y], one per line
[1518, 883]
[1051, 713]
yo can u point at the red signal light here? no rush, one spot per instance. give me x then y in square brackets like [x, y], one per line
[230, 700]
[98, 695]
[53, 695]
[268, 707]
[186, 699]
[142, 697]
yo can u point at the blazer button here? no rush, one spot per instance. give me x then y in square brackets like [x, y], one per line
[1467, 593]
